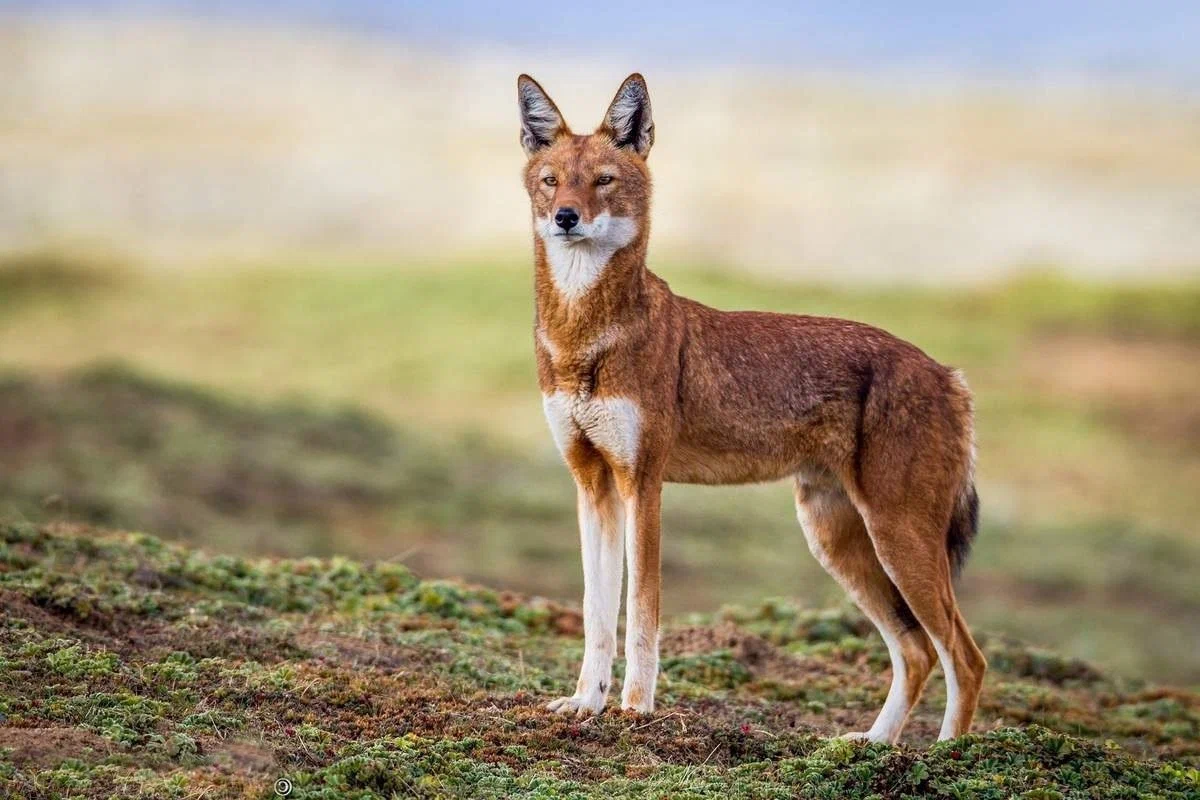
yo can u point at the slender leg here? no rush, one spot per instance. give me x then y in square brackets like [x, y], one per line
[838, 539]
[642, 537]
[914, 556]
[600, 523]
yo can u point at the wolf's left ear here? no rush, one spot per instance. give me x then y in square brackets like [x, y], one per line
[541, 121]
[629, 119]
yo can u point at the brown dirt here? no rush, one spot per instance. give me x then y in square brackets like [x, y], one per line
[772, 666]
[128, 634]
[48, 747]
[240, 755]
[764, 660]
[347, 650]
[564, 620]
[19, 606]
[346, 683]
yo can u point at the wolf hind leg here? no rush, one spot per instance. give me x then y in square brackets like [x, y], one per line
[838, 538]
[912, 549]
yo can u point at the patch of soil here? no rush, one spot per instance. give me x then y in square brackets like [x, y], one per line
[18, 606]
[564, 620]
[769, 664]
[154, 641]
[240, 755]
[48, 747]
[764, 660]
[354, 652]
[151, 639]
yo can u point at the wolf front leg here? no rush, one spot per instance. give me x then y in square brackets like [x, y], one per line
[600, 534]
[642, 538]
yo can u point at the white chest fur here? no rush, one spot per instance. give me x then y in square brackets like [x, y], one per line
[576, 266]
[612, 424]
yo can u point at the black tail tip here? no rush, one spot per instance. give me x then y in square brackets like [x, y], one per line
[964, 524]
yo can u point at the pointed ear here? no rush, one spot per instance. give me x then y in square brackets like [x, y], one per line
[629, 119]
[541, 122]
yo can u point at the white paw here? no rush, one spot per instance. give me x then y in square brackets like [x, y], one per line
[638, 704]
[865, 736]
[579, 705]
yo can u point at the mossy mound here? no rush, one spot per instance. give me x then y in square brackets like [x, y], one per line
[134, 668]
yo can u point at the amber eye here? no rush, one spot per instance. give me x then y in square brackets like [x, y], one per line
[550, 180]
[604, 180]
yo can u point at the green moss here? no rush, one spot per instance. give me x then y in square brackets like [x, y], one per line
[1030, 662]
[718, 670]
[75, 662]
[177, 669]
[121, 716]
[1003, 764]
[212, 721]
[785, 623]
[361, 681]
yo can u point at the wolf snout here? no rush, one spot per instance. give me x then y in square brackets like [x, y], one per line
[566, 218]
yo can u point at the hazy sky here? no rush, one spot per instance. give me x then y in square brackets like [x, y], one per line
[1142, 41]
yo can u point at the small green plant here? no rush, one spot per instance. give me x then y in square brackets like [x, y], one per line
[361, 681]
[717, 670]
[77, 663]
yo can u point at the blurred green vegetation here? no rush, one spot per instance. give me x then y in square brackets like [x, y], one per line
[392, 412]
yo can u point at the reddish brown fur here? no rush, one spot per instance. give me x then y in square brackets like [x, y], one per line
[877, 435]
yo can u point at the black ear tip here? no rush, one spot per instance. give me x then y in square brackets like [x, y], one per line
[635, 87]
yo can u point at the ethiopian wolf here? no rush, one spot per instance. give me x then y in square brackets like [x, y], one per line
[642, 386]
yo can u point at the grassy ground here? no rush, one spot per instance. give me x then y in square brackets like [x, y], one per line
[135, 668]
[1087, 402]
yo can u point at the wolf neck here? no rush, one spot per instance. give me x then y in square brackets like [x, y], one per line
[576, 268]
[586, 286]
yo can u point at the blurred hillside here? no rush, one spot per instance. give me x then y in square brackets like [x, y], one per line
[265, 286]
[180, 140]
[392, 412]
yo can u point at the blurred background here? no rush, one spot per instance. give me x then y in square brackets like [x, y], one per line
[265, 277]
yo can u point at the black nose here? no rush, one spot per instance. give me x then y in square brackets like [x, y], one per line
[566, 218]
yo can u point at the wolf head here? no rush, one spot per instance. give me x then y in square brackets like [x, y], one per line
[587, 191]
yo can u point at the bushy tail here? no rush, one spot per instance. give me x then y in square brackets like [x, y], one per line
[964, 524]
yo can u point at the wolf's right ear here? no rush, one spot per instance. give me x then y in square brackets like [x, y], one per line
[541, 122]
[629, 120]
